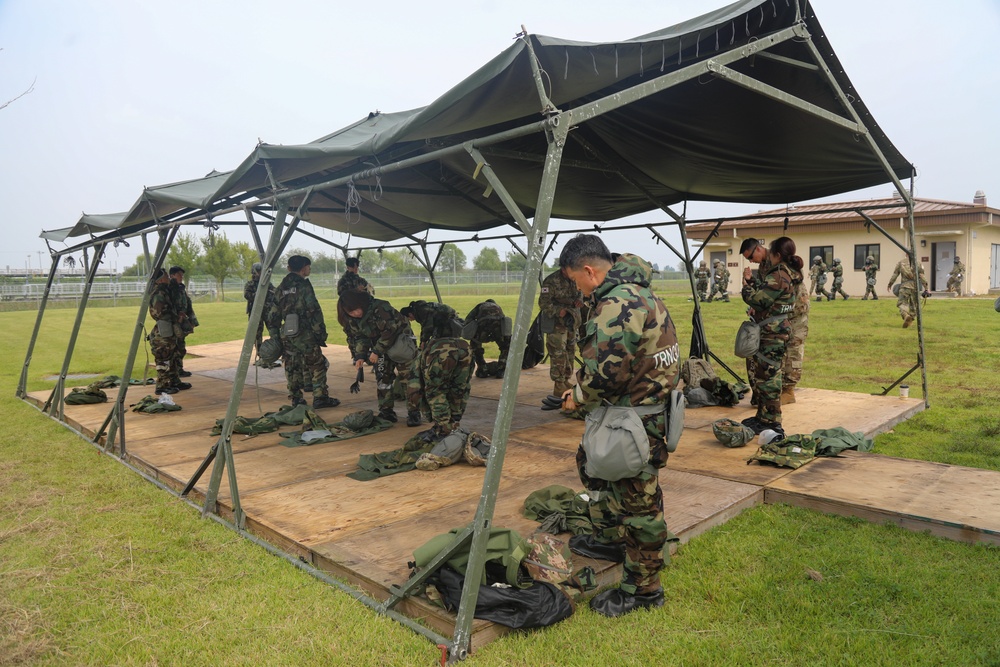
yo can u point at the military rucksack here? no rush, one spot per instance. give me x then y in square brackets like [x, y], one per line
[792, 452]
[694, 370]
[534, 350]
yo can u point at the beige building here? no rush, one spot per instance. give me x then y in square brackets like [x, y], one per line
[944, 230]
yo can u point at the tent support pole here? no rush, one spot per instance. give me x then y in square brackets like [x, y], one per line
[56, 397]
[275, 245]
[254, 233]
[915, 264]
[429, 266]
[22, 384]
[482, 523]
[115, 422]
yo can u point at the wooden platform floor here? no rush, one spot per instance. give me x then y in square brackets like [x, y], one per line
[301, 500]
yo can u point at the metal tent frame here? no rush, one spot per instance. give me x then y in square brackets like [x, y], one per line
[559, 127]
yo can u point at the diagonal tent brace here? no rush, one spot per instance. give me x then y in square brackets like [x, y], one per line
[22, 383]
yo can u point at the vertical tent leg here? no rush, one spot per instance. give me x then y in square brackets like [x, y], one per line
[56, 398]
[22, 384]
[116, 420]
[462, 639]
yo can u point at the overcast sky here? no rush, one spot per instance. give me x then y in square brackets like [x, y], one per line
[130, 94]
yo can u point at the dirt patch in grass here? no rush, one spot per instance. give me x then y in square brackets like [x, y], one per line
[23, 637]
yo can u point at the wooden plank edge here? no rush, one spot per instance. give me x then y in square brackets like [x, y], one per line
[917, 524]
[722, 516]
[885, 427]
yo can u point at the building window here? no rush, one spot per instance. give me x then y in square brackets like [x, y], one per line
[862, 252]
[825, 252]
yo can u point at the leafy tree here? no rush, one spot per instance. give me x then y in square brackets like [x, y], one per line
[247, 255]
[185, 252]
[220, 260]
[488, 259]
[515, 261]
[452, 259]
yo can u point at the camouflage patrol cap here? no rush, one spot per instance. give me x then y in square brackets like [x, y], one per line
[732, 433]
[360, 420]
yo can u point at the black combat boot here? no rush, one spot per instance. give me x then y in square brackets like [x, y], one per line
[587, 545]
[320, 402]
[616, 602]
[388, 414]
[413, 418]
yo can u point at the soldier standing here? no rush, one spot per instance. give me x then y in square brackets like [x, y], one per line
[491, 326]
[870, 272]
[296, 316]
[185, 318]
[250, 293]
[720, 282]
[375, 328]
[819, 267]
[351, 279]
[838, 280]
[162, 339]
[631, 359]
[906, 300]
[955, 277]
[559, 302]
[702, 275]
[440, 382]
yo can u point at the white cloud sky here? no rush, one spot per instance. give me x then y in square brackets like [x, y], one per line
[131, 94]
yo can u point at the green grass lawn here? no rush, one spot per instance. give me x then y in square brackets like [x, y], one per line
[100, 567]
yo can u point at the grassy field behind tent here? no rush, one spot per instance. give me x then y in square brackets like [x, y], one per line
[100, 567]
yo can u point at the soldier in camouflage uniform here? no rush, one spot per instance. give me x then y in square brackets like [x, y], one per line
[771, 298]
[720, 282]
[374, 327]
[439, 382]
[818, 273]
[955, 277]
[838, 280]
[630, 357]
[303, 348]
[489, 319]
[351, 280]
[162, 340]
[436, 320]
[250, 293]
[871, 269]
[186, 319]
[701, 276]
[798, 321]
[559, 301]
[906, 300]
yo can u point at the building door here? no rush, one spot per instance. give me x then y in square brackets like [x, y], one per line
[995, 267]
[944, 260]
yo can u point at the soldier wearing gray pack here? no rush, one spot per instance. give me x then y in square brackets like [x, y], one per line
[559, 302]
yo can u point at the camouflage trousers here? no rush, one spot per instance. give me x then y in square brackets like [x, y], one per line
[907, 303]
[869, 291]
[702, 287]
[393, 381]
[164, 352]
[561, 345]
[630, 512]
[720, 289]
[795, 352]
[822, 291]
[303, 367]
[489, 331]
[955, 285]
[838, 288]
[180, 351]
[765, 376]
[439, 381]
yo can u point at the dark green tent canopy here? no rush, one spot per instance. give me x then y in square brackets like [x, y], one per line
[704, 138]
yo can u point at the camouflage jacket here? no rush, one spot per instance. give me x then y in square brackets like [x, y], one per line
[800, 291]
[161, 303]
[904, 271]
[722, 276]
[870, 271]
[817, 270]
[956, 270]
[838, 274]
[183, 306]
[377, 329]
[630, 352]
[485, 312]
[250, 293]
[773, 295]
[435, 320]
[351, 280]
[560, 293]
[702, 275]
[295, 294]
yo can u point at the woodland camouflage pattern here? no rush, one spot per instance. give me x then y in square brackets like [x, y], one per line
[249, 294]
[375, 332]
[838, 280]
[303, 355]
[772, 296]
[818, 273]
[870, 277]
[720, 283]
[440, 383]
[434, 319]
[352, 281]
[560, 294]
[163, 307]
[955, 277]
[798, 323]
[489, 328]
[630, 357]
[701, 276]
[186, 319]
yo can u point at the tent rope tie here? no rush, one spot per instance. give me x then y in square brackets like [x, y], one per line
[594, 60]
[353, 201]
[663, 55]
[697, 45]
[566, 68]
[640, 61]
[680, 50]
[616, 61]
[733, 38]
